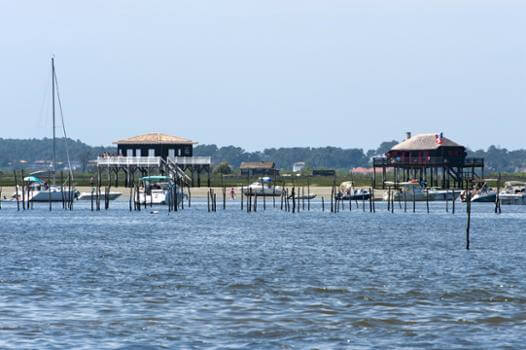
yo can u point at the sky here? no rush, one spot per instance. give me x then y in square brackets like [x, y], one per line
[272, 73]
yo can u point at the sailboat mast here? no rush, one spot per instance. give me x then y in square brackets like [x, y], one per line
[53, 108]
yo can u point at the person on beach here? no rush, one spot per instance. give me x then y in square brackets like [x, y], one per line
[233, 193]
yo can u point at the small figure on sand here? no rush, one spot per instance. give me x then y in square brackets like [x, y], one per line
[233, 193]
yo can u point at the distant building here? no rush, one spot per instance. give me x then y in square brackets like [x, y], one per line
[361, 170]
[258, 168]
[298, 166]
[155, 144]
[429, 158]
[323, 172]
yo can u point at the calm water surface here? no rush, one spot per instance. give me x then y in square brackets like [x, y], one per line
[229, 279]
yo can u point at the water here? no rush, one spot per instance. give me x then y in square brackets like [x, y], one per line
[229, 279]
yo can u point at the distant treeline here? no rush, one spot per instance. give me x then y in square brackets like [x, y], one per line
[12, 151]
[31, 150]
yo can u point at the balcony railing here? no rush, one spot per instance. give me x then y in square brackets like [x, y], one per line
[124, 161]
[427, 161]
[192, 160]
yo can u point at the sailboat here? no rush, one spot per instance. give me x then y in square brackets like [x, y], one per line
[38, 189]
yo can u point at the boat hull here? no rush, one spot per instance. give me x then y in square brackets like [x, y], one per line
[512, 199]
[486, 198]
[267, 192]
[306, 197]
[51, 196]
[159, 197]
[357, 197]
[434, 196]
[86, 196]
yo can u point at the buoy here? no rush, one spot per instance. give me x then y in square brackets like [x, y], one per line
[154, 212]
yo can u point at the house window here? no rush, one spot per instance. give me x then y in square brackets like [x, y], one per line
[187, 151]
[129, 152]
[138, 152]
[151, 152]
[171, 153]
[179, 152]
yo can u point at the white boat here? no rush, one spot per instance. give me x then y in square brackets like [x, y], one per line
[87, 195]
[159, 190]
[413, 189]
[514, 192]
[263, 187]
[481, 194]
[37, 190]
[347, 191]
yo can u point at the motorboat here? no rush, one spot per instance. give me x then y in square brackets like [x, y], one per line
[414, 190]
[159, 190]
[514, 192]
[482, 193]
[38, 190]
[347, 191]
[263, 187]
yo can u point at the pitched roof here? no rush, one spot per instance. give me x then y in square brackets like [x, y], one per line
[424, 142]
[256, 165]
[155, 138]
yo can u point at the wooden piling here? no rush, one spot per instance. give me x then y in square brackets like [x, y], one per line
[293, 200]
[427, 200]
[497, 197]
[16, 192]
[392, 201]
[447, 199]
[23, 190]
[93, 193]
[332, 199]
[468, 212]
[130, 200]
[208, 200]
[414, 199]
[242, 197]
[302, 198]
[322, 204]
[453, 202]
[308, 193]
[389, 198]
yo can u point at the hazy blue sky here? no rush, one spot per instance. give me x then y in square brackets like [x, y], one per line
[268, 73]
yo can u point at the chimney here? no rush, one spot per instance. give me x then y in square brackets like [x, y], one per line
[408, 135]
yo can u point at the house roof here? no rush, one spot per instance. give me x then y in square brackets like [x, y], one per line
[424, 142]
[256, 165]
[155, 138]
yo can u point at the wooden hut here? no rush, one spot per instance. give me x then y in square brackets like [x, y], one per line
[431, 158]
[258, 168]
[155, 152]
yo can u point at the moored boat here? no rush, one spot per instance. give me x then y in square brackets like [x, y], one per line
[413, 190]
[482, 193]
[159, 190]
[263, 187]
[514, 193]
[347, 191]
